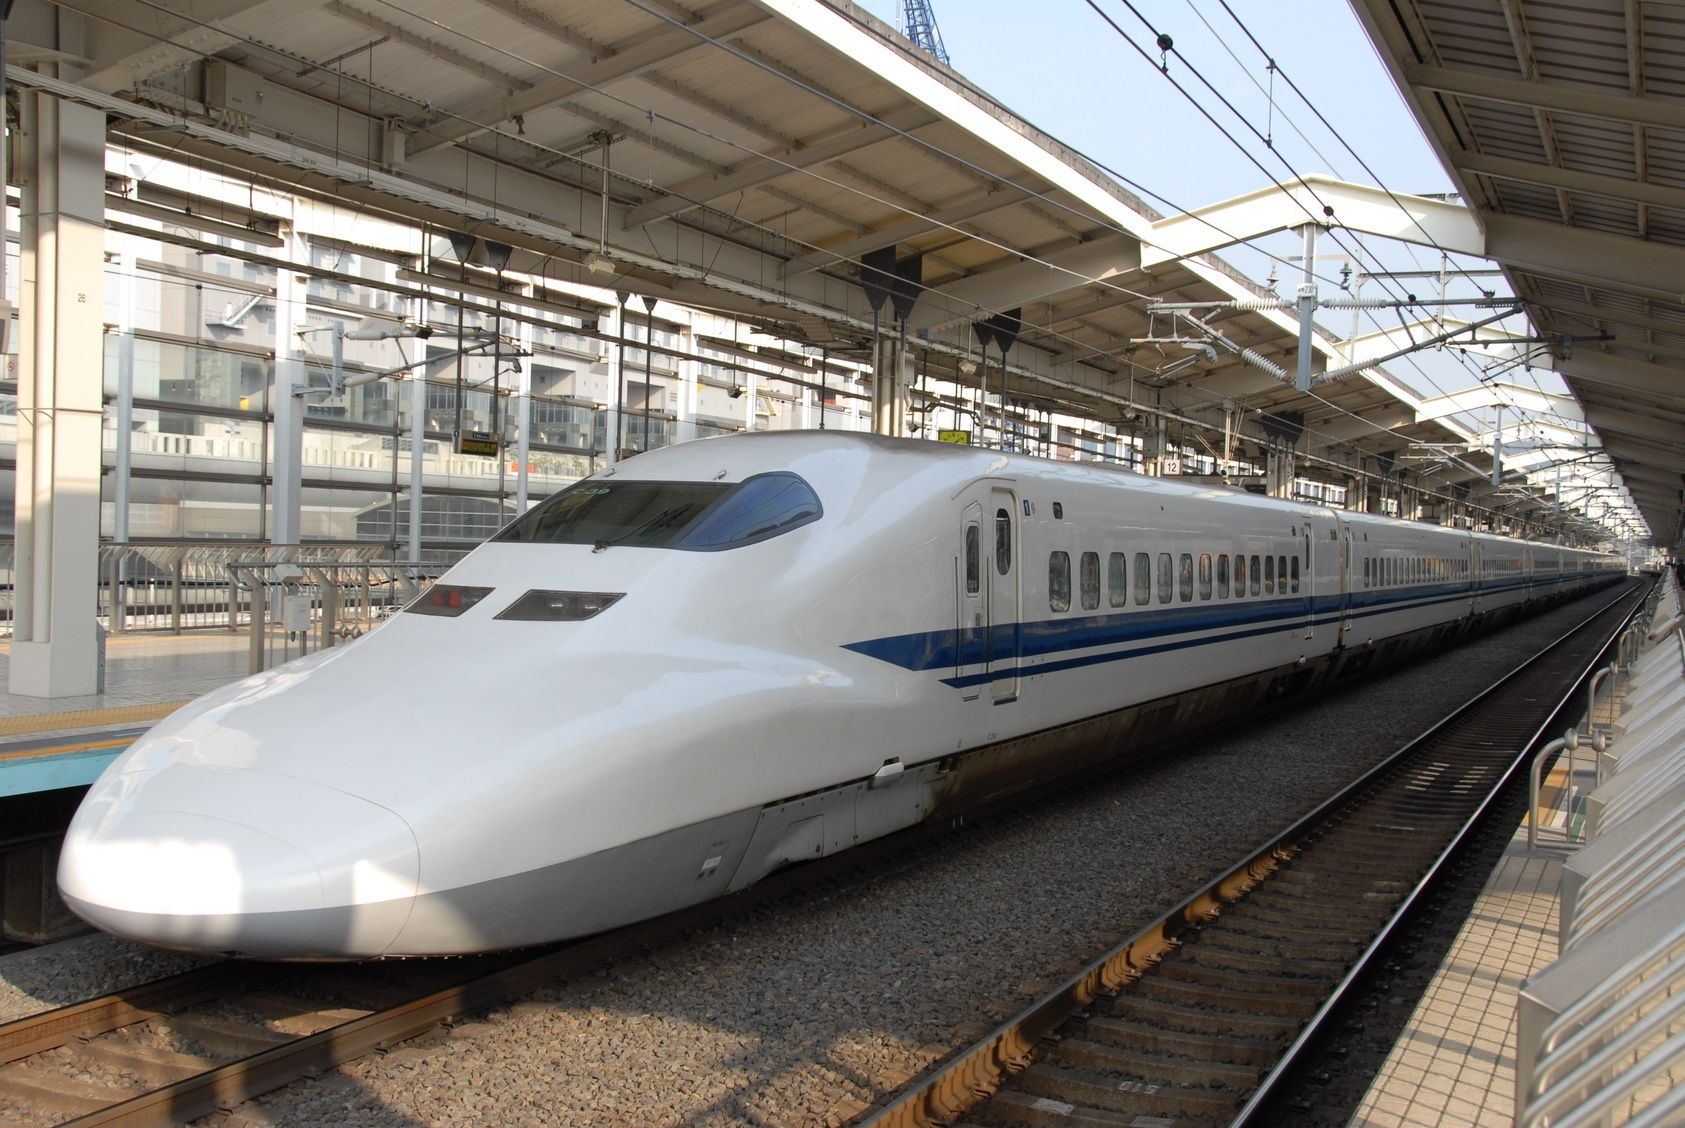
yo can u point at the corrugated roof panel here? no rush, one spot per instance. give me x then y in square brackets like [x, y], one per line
[1667, 227]
[1582, 43]
[1516, 198]
[1664, 158]
[1505, 130]
[1599, 147]
[1470, 34]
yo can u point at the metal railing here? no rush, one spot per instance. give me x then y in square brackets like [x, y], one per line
[1601, 1031]
[296, 607]
[189, 585]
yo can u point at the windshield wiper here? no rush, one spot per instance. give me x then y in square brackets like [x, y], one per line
[665, 517]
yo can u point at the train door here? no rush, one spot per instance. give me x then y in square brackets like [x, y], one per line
[1304, 583]
[1003, 649]
[1347, 569]
[970, 604]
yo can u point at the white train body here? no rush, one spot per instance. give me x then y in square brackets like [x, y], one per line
[893, 636]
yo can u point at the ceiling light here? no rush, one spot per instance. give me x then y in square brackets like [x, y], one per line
[598, 263]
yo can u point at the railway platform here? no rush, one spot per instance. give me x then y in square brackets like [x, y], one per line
[1470, 1053]
[52, 743]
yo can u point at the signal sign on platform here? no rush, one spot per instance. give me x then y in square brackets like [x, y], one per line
[963, 438]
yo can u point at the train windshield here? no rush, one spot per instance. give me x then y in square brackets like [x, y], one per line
[698, 516]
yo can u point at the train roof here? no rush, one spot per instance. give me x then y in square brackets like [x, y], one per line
[818, 455]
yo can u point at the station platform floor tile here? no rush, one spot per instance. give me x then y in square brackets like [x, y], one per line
[143, 674]
[1454, 1063]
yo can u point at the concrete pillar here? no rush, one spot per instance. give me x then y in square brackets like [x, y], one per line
[60, 413]
[689, 372]
[614, 357]
[523, 416]
[287, 461]
[891, 387]
[1278, 472]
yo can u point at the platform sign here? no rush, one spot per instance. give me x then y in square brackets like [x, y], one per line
[963, 438]
[486, 444]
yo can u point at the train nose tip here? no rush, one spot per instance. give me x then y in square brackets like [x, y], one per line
[239, 861]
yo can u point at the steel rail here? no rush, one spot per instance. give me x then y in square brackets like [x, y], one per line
[968, 1076]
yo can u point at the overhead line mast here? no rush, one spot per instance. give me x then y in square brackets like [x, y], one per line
[918, 23]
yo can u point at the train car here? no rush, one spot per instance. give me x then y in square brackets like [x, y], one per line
[724, 657]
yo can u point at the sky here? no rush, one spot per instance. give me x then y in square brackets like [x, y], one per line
[1060, 66]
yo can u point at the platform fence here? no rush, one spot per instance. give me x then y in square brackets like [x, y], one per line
[163, 586]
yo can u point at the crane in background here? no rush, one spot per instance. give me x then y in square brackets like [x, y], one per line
[918, 23]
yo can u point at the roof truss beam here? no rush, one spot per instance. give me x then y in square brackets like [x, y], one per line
[661, 47]
[1571, 180]
[762, 170]
[1578, 101]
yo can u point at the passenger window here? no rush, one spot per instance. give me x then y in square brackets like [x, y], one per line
[1059, 581]
[1185, 578]
[1090, 580]
[1143, 579]
[1205, 575]
[973, 559]
[1294, 564]
[1257, 577]
[1166, 577]
[1222, 575]
[1003, 541]
[1269, 575]
[1116, 588]
[1366, 571]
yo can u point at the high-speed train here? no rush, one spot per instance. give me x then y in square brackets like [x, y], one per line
[681, 673]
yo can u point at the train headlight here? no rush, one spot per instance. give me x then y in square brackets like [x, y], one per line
[448, 600]
[559, 606]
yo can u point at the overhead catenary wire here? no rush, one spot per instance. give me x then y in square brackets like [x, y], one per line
[1277, 69]
[1329, 211]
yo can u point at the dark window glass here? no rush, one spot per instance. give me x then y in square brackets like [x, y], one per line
[1090, 580]
[1003, 541]
[757, 508]
[1058, 511]
[1117, 588]
[1166, 577]
[1059, 581]
[1269, 575]
[1257, 577]
[1281, 571]
[1143, 578]
[1223, 575]
[973, 559]
[1185, 577]
[1294, 564]
[1205, 575]
[1367, 569]
[598, 511]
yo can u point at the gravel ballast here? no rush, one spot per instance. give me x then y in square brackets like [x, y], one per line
[802, 1011]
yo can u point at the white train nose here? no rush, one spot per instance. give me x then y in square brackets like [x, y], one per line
[231, 860]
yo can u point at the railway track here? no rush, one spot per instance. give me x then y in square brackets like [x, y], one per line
[1202, 1017]
[185, 1047]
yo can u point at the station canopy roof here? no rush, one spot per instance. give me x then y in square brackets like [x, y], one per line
[1563, 126]
[747, 155]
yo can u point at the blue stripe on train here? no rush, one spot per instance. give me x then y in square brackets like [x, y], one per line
[939, 649]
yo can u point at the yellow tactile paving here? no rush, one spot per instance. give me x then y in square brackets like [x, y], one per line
[60, 749]
[86, 718]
